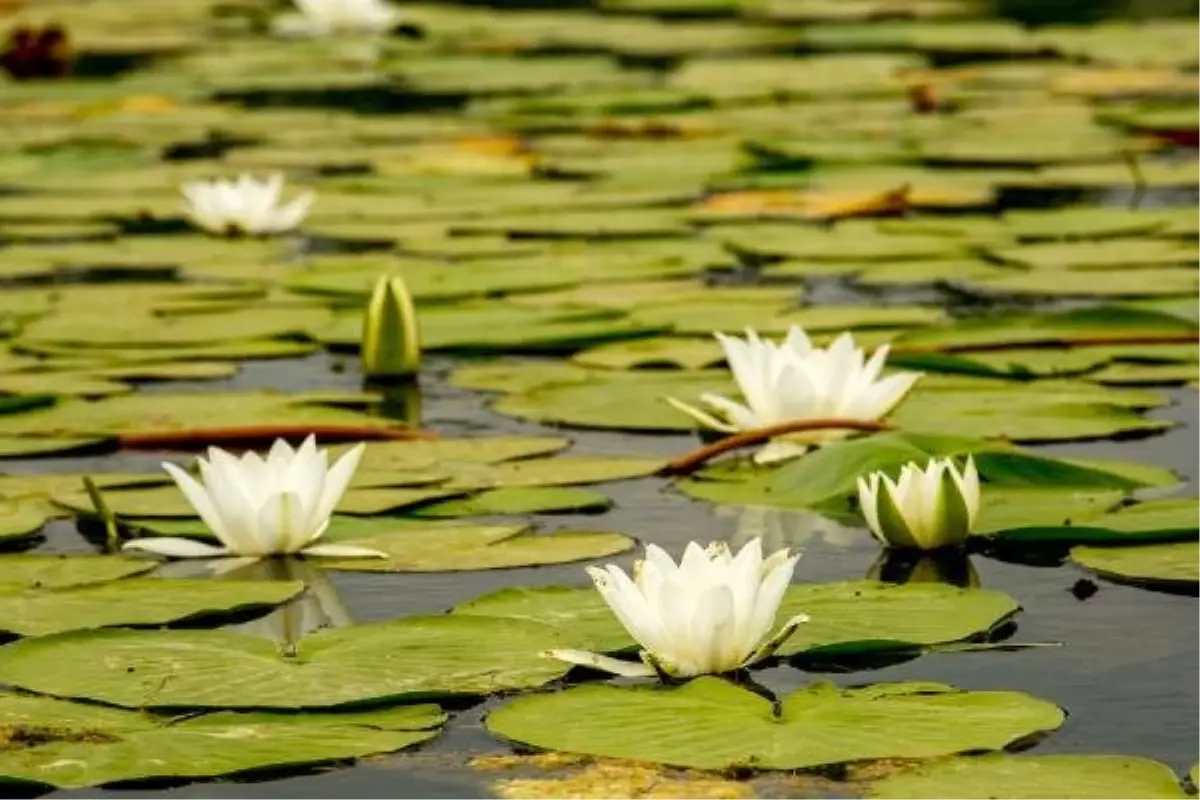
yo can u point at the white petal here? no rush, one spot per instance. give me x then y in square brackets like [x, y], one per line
[281, 524]
[200, 499]
[779, 450]
[703, 417]
[583, 658]
[741, 417]
[342, 551]
[175, 547]
[770, 595]
[336, 482]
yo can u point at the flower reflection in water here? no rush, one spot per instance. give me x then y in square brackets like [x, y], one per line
[779, 528]
[319, 606]
[947, 566]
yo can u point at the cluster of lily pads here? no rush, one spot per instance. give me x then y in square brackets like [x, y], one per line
[560, 208]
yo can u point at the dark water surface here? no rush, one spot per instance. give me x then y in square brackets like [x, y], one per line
[1126, 670]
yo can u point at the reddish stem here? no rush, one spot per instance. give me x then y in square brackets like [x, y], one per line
[690, 462]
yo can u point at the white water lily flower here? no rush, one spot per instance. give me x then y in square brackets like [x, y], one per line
[338, 18]
[794, 380]
[244, 205]
[711, 614]
[923, 509]
[262, 507]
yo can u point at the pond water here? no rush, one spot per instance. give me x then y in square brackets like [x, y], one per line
[577, 195]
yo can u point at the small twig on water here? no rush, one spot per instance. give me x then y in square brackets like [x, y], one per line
[690, 462]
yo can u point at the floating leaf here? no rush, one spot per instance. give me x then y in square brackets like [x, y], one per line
[39, 571]
[1151, 521]
[135, 601]
[710, 724]
[453, 548]
[518, 500]
[405, 659]
[1168, 565]
[1081, 777]
[72, 745]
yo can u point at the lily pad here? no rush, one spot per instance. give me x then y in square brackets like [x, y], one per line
[40, 571]
[134, 601]
[34, 446]
[444, 548]
[20, 522]
[846, 618]
[401, 660]
[1076, 777]
[1167, 565]
[72, 745]
[518, 500]
[1151, 521]
[180, 412]
[711, 724]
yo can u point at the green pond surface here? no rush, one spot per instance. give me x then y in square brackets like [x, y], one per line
[577, 195]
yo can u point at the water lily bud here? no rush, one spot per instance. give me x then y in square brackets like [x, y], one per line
[391, 344]
[925, 508]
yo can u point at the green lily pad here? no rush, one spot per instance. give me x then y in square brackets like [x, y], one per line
[623, 400]
[72, 745]
[401, 660]
[100, 329]
[1151, 521]
[1011, 513]
[420, 454]
[711, 724]
[846, 618]
[454, 548]
[179, 412]
[1108, 323]
[1150, 282]
[1077, 777]
[1119, 254]
[557, 471]
[133, 601]
[33, 446]
[39, 571]
[518, 500]
[1168, 565]
[20, 521]
[678, 352]
[61, 384]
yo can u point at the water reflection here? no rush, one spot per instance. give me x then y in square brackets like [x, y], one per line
[400, 401]
[947, 565]
[779, 528]
[319, 606]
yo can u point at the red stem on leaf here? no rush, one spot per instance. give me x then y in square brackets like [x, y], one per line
[690, 462]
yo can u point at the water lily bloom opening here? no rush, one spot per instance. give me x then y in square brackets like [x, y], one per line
[710, 614]
[924, 508]
[338, 18]
[244, 206]
[793, 380]
[391, 345]
[259, 506]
